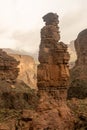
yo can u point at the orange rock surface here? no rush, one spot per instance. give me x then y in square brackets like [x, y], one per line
[53, 72]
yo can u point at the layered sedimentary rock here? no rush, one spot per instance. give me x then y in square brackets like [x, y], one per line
[27, 68]
[8, 67]
[53, 72]
[79, 71]
[52, 79]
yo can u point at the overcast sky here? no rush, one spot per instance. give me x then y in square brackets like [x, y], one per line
[21, 21]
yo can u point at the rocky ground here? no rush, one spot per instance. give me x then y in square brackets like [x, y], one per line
[48, 115]
[32, 119]
[79, 109]
[15, 99]
[16, 96]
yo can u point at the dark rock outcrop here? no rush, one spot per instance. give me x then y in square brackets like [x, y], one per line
[20, 120]
[14, 93]
[17, 96]
[78, 86]
[79, 108]
[81, 48]
[8, 67]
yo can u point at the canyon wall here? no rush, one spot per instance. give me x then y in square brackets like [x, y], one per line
[28, 70]
[8, 67]
[27, 67]
[16, 81]
[78, 86]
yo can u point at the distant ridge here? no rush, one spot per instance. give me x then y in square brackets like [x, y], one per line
[21, 52]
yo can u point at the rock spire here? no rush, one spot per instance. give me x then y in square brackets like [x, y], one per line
[53, 72]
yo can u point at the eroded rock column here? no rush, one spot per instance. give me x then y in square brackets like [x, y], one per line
[53, 72]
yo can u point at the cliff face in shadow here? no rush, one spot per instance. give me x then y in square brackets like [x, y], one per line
[78, 86]
[8, 67]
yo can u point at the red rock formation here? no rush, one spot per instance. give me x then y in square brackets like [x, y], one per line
[52, 79]
[53, 73]
[27, 67]
[81, 48]
[8, 67]
[79, 71]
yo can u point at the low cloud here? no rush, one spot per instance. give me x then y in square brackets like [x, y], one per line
[72, 23]
[27, 40]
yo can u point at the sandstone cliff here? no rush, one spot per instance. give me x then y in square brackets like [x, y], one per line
[27, 71]
[53, 57]
[72, 53]
[27, 68]
[79, 72]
